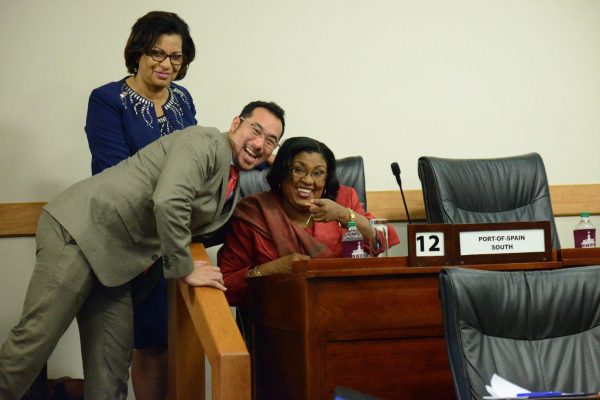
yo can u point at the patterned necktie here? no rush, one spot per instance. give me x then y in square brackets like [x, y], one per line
[233, 178]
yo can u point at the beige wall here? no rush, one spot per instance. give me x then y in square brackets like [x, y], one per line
[388, 79]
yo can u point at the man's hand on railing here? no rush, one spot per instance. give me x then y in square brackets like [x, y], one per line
[205, 275]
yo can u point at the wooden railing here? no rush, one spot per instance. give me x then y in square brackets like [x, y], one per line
[20, 219]
[567, 200]
[200, 322]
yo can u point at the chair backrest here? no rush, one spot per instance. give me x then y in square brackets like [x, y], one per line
[507, 189]
[350, 171]
[538, 329]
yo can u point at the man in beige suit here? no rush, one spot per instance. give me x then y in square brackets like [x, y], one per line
[99, 234]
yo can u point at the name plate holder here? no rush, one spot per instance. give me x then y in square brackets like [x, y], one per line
[471, 244]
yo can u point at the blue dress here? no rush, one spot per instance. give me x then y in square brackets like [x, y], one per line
[119, 123]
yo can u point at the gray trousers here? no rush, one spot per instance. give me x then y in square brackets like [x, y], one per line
[63, 286]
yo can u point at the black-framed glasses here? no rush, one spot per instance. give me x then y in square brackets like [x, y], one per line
[159, 55]
[318, 175]
[271, 141]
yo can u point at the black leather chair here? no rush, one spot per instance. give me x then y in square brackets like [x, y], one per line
[350, 171]
[458, 191]
[538, 329]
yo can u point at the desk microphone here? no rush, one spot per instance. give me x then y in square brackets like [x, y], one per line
[396, 172]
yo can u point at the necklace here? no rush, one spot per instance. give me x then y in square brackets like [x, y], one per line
[308, 221]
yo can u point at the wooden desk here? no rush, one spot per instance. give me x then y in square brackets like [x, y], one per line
[579, 257]
[373, 325]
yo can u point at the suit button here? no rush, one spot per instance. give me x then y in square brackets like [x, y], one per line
[154, 257]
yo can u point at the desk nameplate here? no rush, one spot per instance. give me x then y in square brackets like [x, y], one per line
[502, 241]
[468, 244]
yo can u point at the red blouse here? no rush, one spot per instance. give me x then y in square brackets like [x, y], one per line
[246, 248]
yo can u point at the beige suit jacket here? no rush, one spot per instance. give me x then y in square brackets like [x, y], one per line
[150, 205]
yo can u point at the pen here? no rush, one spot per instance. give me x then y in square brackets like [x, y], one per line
[533, 395]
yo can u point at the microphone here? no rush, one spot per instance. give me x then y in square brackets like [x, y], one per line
[396, 172]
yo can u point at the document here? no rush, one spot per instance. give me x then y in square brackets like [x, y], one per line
[501, 389]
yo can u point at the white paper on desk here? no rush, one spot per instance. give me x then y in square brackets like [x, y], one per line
[500, 388]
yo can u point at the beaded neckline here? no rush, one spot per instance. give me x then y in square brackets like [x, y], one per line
[173, 112]
[132, 93]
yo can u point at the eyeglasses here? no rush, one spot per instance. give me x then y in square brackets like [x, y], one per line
[271, 141]
[317, 175]
[159, 55]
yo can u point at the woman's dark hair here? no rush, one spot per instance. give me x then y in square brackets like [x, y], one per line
[145, 33]
[281, 168]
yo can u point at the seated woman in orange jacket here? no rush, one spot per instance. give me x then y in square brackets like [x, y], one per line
[303, 216]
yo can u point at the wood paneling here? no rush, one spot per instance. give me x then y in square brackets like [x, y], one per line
[567, 200]
[389, 205]
[394, 359]
[20, 219]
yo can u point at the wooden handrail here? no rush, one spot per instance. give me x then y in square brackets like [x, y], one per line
[20, 219]
[201, 323]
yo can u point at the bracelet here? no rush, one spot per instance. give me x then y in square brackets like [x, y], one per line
[253, 272]
[352, 215]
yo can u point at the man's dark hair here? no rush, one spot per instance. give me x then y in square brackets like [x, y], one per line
[282, 166]
[145, 33]
[272, 107]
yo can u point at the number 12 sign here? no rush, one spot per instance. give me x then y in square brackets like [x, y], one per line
[430, 244]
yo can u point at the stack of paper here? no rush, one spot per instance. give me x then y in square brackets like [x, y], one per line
[500, 388]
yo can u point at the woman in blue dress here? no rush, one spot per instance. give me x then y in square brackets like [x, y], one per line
[125, 116]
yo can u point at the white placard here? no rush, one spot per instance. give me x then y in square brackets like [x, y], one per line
[429, 244]
[502, 242]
